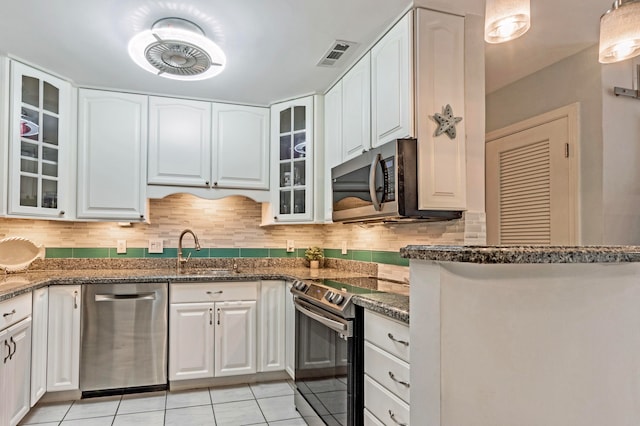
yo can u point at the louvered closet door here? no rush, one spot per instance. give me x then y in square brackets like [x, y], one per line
[528, 199]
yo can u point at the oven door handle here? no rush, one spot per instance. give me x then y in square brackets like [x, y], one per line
[340, 327]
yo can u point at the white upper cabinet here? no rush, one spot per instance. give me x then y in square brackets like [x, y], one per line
[391, 84]
[41, 169]
[112, 157]
[240, 146]
[179, 142]
[440, 82]
[332, 142]
[356, 109]
[292, 148]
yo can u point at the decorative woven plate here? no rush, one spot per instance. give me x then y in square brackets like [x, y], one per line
[17, 253]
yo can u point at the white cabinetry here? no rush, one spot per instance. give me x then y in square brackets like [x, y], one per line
[356, 109]
[440, 82]
[292, 152]
[271, 326]
[235, 338]
[179, 142]
[15, 349]
[63, 358]
[39, 328]
[386, 368]
[41, 168]
[332, 142]
[392, 84]
[212, 330]
[240, 146]
[290, 332]
[112, 156]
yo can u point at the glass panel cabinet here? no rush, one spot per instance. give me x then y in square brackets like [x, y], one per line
[292, 169]
[39, 170]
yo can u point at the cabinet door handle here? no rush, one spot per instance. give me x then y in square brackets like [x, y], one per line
[393, 417]
[393, 377]
[210, 316]
[9, 354]
[6, 314]
[402, 342]
[75, 300]
[218, 316]
[214, 292]
[15, 348]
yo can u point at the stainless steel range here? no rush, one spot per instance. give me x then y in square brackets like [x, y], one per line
[329, 366]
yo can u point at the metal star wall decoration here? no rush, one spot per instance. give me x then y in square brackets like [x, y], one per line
[447, 122]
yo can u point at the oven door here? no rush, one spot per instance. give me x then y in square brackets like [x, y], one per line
[324, 365]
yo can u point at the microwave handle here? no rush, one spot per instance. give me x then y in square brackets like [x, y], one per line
[372, 182]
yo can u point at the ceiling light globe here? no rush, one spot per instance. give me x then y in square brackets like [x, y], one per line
[506, 20]
[620, 32]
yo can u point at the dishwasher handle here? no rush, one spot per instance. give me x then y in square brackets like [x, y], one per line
[118, 297]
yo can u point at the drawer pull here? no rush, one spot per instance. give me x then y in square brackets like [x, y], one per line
[402, 342]
[214, 292]
[6, 314]
[393, 377]
[393, 417]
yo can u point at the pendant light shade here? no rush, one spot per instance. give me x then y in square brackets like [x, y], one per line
[506, 20]
[620, 32]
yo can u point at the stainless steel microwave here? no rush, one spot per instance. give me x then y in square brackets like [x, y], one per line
[381, 185]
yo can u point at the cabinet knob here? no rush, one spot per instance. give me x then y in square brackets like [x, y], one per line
[141, 217]
[275, 218]
[61, 213]
[207, 183]
[364, 150]
[215, 183]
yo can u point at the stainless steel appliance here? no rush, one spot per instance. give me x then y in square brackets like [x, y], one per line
[381, 185]
[329, 370]
[124, 338]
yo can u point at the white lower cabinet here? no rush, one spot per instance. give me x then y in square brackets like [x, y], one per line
[212, 330]
[235, 338]
[63, 343]
[271, 326]
[15, 349]
[290, 332]
[386, 368]
[39, 326]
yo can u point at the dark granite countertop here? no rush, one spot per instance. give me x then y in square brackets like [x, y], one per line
[524, 254]
[11, 285]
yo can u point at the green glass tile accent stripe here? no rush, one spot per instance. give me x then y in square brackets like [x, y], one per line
[130, 254]
[254, 252]
[282, 253]
[224, 252]
[90, 253]
[389, 258]
[167, 253]
[362, 255]
[58, 253]
[203, 252]
[300, 252]
[337, 254]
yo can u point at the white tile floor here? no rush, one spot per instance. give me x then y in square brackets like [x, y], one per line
[259, 404]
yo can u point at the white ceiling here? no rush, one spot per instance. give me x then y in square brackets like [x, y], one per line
[272, 46]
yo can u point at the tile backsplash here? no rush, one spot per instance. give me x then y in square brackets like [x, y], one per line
[229, 227]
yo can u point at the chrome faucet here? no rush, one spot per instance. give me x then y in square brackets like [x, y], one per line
[182, 260]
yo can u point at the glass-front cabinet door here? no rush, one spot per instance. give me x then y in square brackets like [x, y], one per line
[39, 169]
[292, 170]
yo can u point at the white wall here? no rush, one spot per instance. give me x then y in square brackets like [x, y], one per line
[574, 79]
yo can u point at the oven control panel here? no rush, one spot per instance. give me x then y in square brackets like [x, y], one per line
[336, 300]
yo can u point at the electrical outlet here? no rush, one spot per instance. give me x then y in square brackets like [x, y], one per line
[344, 247]
[156, 246]
[122, 247]
[291, 247]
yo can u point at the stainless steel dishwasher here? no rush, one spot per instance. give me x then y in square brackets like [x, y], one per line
[124, 338]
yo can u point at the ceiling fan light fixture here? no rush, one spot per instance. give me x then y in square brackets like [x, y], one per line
[505, 20]
[620, 32]
[177, 49]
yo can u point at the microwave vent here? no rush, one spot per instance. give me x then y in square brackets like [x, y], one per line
[336, 54]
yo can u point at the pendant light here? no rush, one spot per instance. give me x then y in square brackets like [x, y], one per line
[177, 49]
[506, 20]
[620, 32]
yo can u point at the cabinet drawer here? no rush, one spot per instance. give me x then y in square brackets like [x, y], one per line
[370, 419]
[384, 405]
[387, 370]
[14, 310]
[213, 292]
[390, 335]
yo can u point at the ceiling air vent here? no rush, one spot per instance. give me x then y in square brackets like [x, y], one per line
[339, 50]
